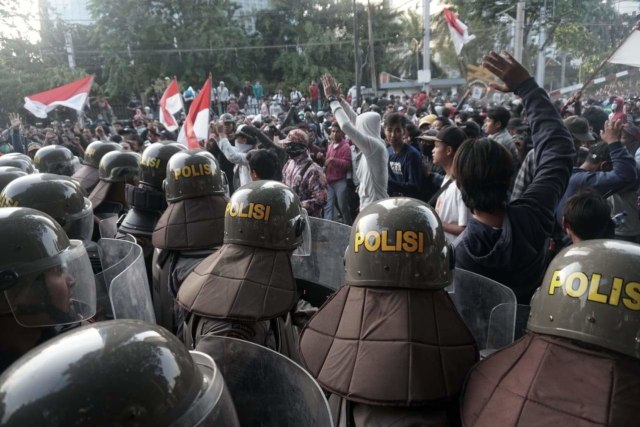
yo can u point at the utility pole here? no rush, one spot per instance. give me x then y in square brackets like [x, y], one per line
[356, 50]
[542, 40]
[563, 69]
[424, 75]
[372, 54]
[519, 33]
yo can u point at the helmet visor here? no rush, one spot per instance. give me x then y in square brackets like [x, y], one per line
[303, 228]
[55, 291]
[80, 226]
[225, 184]
[214, 405]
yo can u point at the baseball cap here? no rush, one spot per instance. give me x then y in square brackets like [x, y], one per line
[451, 135]
[599, 153]
[471, 129]
[579, 128]
[427, 120]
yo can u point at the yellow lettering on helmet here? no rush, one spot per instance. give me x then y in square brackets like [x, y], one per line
[556, 282]
[176, 173]
[410, 243]
[616, 290]
[368, 244]
[186, 171]
[255, 211]
[405, 241]
[358, 240]
[207, 170]
[632, 302]
[593, 290]
[89, 152]
[7, 202]
[582, 280]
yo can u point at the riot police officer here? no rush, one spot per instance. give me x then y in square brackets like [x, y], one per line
[120, 372]
[58, 196]
[117, 169]
[389, 345]
[189, 230]
[87, 175]
[147, 200]
[240, 288]
[579, 362]
[8, 174]
[55, 159]
[46, 279]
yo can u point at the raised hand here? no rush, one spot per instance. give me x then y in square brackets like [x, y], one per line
[510, 71]
[331, 87]
[15, 120]
[612, 131]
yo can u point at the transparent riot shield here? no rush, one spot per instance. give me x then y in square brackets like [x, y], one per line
[487, 308]
[267, 388]
[322, 272]
[123, 286]
[108, 226]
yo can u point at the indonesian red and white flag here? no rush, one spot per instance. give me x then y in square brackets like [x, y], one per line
[196, 126]
[73, 95]
[459, 32]
[629, 52]
[170, 104]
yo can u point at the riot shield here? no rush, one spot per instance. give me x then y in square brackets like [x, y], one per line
[267, 388]
[322, 272]
[487, 308]
[108, 226]
[123, 286]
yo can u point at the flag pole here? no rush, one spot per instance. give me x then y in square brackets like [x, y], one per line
[593, 75]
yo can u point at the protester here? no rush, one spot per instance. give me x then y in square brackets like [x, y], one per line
[507, 241]
[405, 162]
[337, 165]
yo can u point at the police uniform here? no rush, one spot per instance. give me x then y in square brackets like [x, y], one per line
[46, 279]
[147, 200]
[389, 344]
[578, 365]
[239, 289]
[116, 170]
[87, 175]
[189, 230]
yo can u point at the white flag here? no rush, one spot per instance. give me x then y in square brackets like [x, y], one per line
[629, 52]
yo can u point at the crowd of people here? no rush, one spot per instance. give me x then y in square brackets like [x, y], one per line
[427, 182]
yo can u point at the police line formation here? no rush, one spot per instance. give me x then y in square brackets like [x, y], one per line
[137, 292]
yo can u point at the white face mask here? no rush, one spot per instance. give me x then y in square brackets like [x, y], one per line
[243, 147]
[614, 107]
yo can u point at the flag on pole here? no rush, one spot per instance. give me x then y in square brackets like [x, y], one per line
[170, 103]
[459, 32]
[73, 95]
[629, 52]
[196, 126]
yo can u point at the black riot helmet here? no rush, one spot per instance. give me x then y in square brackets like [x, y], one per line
[55, 159]
[153, 165]
[46, 278]
[8, 174]
[193, 174]
[56, 195]
[115, 373]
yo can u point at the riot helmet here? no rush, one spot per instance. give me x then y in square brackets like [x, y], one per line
[267, 214]
[227, 118]
[96, 150]
[399, 242]
[8, 174]
[22, 162]
[55, 159]
[56, 195]
[46, 278]
[192, 174]
[17, 156]
[119, 166]
[591, 293]
[101, 374]
[153, 165]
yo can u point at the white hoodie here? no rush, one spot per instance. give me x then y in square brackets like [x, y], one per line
[364, 131]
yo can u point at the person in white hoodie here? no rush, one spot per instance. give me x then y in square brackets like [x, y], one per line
[364, 132]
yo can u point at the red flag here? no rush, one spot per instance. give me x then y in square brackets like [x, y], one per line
[196, 126]
[170, 103]
[458, 31]
[73, 95]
